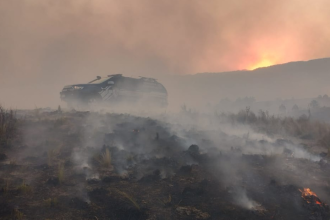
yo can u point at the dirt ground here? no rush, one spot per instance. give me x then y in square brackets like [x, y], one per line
[82, 165]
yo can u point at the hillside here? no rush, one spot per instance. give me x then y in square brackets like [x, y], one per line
[290, 80]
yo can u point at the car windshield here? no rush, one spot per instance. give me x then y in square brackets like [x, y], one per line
[98, 81]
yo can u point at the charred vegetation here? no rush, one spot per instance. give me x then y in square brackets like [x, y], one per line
[89, 165]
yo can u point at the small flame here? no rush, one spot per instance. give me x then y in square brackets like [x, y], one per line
[308, 195]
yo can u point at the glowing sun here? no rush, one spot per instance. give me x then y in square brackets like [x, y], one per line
[262, 63]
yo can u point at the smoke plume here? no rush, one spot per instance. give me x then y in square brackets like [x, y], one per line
[45, 44]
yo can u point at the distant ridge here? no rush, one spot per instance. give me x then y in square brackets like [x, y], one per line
[322, 62]
[300, 79]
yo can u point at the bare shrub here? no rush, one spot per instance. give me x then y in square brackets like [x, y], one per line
[106, 158]
[302, 127]
[8, 127]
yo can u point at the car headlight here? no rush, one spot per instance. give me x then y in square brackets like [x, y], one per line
[78, 87]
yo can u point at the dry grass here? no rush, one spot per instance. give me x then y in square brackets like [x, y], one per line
[52, 153]
[302, 127]
[23, 188]
[8, 126]
[50, 157]
[61, 173]
[18, 215]
[105, 158]
[130, 198]
[6, 187]
[51, 202]
[325, 141]
[37, 113]
[167, 202]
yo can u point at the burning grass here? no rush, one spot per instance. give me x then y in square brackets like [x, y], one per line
[309, 196]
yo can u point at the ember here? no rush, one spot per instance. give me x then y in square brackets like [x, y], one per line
[309, 196]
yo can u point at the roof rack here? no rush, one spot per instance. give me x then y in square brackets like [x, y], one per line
[148, 79]
[97, 78]
[115, 75]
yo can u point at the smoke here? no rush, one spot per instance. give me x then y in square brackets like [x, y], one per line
[149, 149]
[47, 44]
[210, 131]
[242, 200]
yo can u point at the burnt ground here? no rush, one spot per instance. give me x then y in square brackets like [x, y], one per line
[58, 169]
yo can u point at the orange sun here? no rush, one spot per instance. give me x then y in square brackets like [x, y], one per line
[262, 63]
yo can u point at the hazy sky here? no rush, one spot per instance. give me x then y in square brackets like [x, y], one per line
[59, 41]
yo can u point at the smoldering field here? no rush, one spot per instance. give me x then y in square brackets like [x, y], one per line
[185, 165]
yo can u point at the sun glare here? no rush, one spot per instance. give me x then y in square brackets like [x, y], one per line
[262, 63]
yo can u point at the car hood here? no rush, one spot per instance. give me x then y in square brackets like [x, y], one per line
[80, 85]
